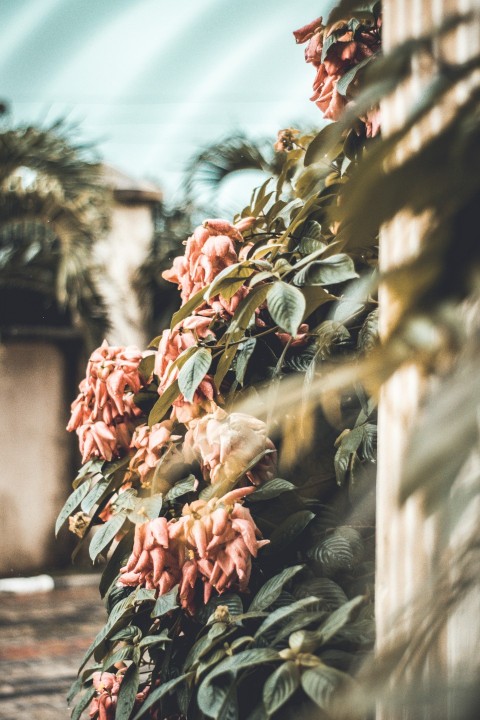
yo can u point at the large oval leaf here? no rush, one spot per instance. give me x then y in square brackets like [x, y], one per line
[244, 659]
[280, 686]
[330, 271]
[193, 372]
[105, 535]
[71, 504]
[292, 527]
[321, 682]
[273, 587]
[286, 305]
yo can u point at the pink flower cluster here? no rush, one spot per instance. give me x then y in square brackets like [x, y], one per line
[225, 444]
[349, 50]
[107, 686]
[150, 444]
[213, 540]
[103, 410]
[172, 344]
[212, 247]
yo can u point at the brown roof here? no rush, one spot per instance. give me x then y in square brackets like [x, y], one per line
[127, 189]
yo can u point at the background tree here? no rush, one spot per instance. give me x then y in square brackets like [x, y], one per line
[53, 207]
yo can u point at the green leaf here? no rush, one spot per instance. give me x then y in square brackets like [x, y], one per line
[183, 487]
[117, 616]
[267, 595]
[347, 79]
[283, 536]
[204, 645]
[160, 692]
[128, 692]
[350, 442]
[96, 495]
[74, 689]
[151, 640]
[115, 562]
[334, 269]
[271, 489]
[244, 659]
[105, 534]
[229, 280]
[83, 703]
[193, 372]
[146, 366]
[163, 403]
[71, 504]
[312, 238]
[166, 603]
[286, 305]
[321, 682]
[244, 353]
[339, 552]
[218, 700]
[192, 304]
[327, 591]
[285, 612]
[325, 146]
[280, 686]
[247, 306]
[146, 508]
[89, 469]
[227, 357]
[231, 600]
[116, 656]
[339, 618]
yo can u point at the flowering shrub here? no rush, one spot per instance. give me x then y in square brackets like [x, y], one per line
[213, 564]
[337, 53]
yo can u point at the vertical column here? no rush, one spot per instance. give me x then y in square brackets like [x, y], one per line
[405, 538]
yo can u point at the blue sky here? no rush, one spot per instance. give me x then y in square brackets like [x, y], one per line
[153, 80]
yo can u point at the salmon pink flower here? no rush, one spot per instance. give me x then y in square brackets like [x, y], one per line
[225, 444]
[155, 560]
[221, 538]
[103, 411]
[211, 248]
[107, 687]
[150, 444]
[349, 49]
[300, 339]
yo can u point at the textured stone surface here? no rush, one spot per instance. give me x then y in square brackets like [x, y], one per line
[43, 638]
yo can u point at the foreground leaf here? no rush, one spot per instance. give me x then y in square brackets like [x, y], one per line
[193, 372]
[286, 305]
[267, 595]
[280, 686]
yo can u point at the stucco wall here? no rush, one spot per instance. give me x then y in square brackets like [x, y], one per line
[34, 453]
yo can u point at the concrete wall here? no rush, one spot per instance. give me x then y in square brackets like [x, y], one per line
[36, 459]
[119, 255]
[35, 453]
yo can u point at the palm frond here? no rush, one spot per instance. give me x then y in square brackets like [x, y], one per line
[49, 223]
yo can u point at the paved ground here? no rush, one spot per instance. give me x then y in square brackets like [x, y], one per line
[43, 637]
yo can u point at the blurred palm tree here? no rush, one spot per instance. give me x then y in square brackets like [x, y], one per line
[53, 208]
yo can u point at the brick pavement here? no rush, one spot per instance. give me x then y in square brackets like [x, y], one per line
[43, 637]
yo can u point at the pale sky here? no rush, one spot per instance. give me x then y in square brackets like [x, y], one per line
[153, 80]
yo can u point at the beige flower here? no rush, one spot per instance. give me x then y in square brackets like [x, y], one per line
[226, 444]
